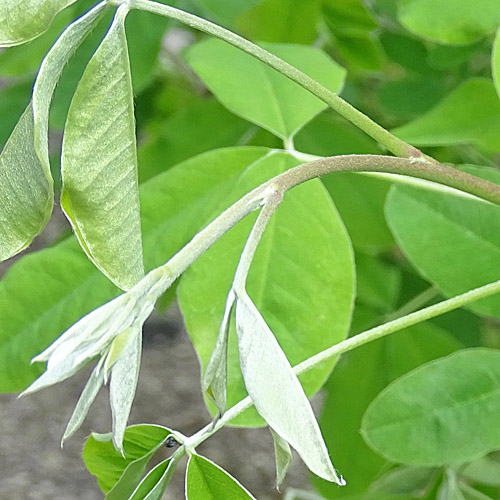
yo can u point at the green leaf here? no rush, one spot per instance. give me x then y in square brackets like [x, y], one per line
[485, 470]
[175, 139]
[155, 483]
[360, 201]
[229, 11]
[144, 36]
[378, 283]
[268, 376]
[450, 21]
[405, 480]
[205, 480]
[118, 475]
[24, 20]
[26, 193]
[383, 361]
[303, 292]
[469, 114]
[441, 233]
[283, 21]
[350, 24]
[442, 413]
[74, 287]
[260, 94]
[495, 62]
[13, 101]
[99, 163]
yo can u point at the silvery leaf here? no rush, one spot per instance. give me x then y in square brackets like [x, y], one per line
[276, 392]
[283, 456]
[124, 375]
[215, 379]
[86, 399]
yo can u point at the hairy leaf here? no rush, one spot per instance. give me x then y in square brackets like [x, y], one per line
[268, 377]
[155, 483]
[442, 413]
[24, 20]
[207, 481]
[99, 163]
[260, 94]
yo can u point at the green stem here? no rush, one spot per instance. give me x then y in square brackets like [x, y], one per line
[354, 342]
[360, 120]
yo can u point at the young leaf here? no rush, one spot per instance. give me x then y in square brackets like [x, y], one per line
[441, 233]
[283, 455]
[485, 470]
[24, 20]
[260, 94]
[442, 413]
[303, 291]
[125, 374]
[495, 62]
[26, 192]
[75, 287]
[450, 21]
[99, 162]
[269, 379]
[118, 475]
[469, 114]
[205, 480]
[404, 480]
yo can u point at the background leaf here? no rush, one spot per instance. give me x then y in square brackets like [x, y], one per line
[20, 24]
[99, 163]
[470, 114]
[442, 413]
[119, 475]
[258, 93]
[207, 481]
[441, 233]
[291, 284]
[450, 21]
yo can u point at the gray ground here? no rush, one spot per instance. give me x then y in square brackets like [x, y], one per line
[33, 467]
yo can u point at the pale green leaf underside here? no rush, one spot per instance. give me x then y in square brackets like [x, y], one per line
[24, 20]
[205, 480]
[260, 94]
[450, 21]
[445, 412]
[304, 292]
[454, 242]
[495, 62]
[26, 195]
[276, 391]
[469, 114]
[99, 163]
[74, 287]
